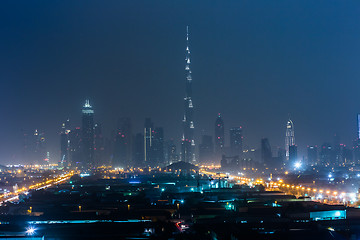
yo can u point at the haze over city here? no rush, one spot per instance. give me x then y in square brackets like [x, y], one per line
[256, 63]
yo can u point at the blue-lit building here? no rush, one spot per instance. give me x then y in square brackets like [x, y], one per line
[328, 215]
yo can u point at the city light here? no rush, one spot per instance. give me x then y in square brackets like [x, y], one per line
[147, 153]
[297, 165]
[30, 230]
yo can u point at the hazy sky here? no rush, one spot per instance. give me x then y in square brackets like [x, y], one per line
[256, 62]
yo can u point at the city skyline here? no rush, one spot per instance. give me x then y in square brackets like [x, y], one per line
[244, 78]
[160, 119]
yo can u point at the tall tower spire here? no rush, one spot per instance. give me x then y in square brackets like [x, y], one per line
[289, 137]
[188, 141]
[87, 135]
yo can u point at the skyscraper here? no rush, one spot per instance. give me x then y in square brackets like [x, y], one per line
[138, 154]
[219, 135]
[188, 141]
[99, 146]
[123, 144]
[289, 137]
[358, 126]
[157, 148]
[87, 135]
[75, 147]
[148, 140]
[293, 158]
[312, 155]
[40, 153]
[236, 140]
[266, 153]
[356, 142]
[326, 154]
[337, 150]
[65, 143]
[170, 154]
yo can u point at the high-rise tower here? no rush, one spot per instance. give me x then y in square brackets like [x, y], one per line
[236, 141]
[289, 137]
[188, 141]
[157, 148]
[65, 143]
[358, 126]
[219, 135]
[148, 141]
[87, 135]
[123, 144]
[99, 145]
[357, 141]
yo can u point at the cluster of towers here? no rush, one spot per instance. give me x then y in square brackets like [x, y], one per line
[210, 152]
[82, 147]
[85, 146]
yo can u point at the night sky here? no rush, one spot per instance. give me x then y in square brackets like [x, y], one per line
[256, 62]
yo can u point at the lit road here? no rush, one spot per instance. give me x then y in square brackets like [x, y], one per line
[317, 194]
[13, 196]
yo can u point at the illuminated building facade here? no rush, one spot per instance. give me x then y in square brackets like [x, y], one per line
[289, 137]
[87, 135]
[188, 141]
[148, 140]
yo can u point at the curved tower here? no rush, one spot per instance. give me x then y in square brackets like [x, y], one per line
[289, 137]
[188, 141]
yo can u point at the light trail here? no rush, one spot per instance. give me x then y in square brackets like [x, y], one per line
[12, 196]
